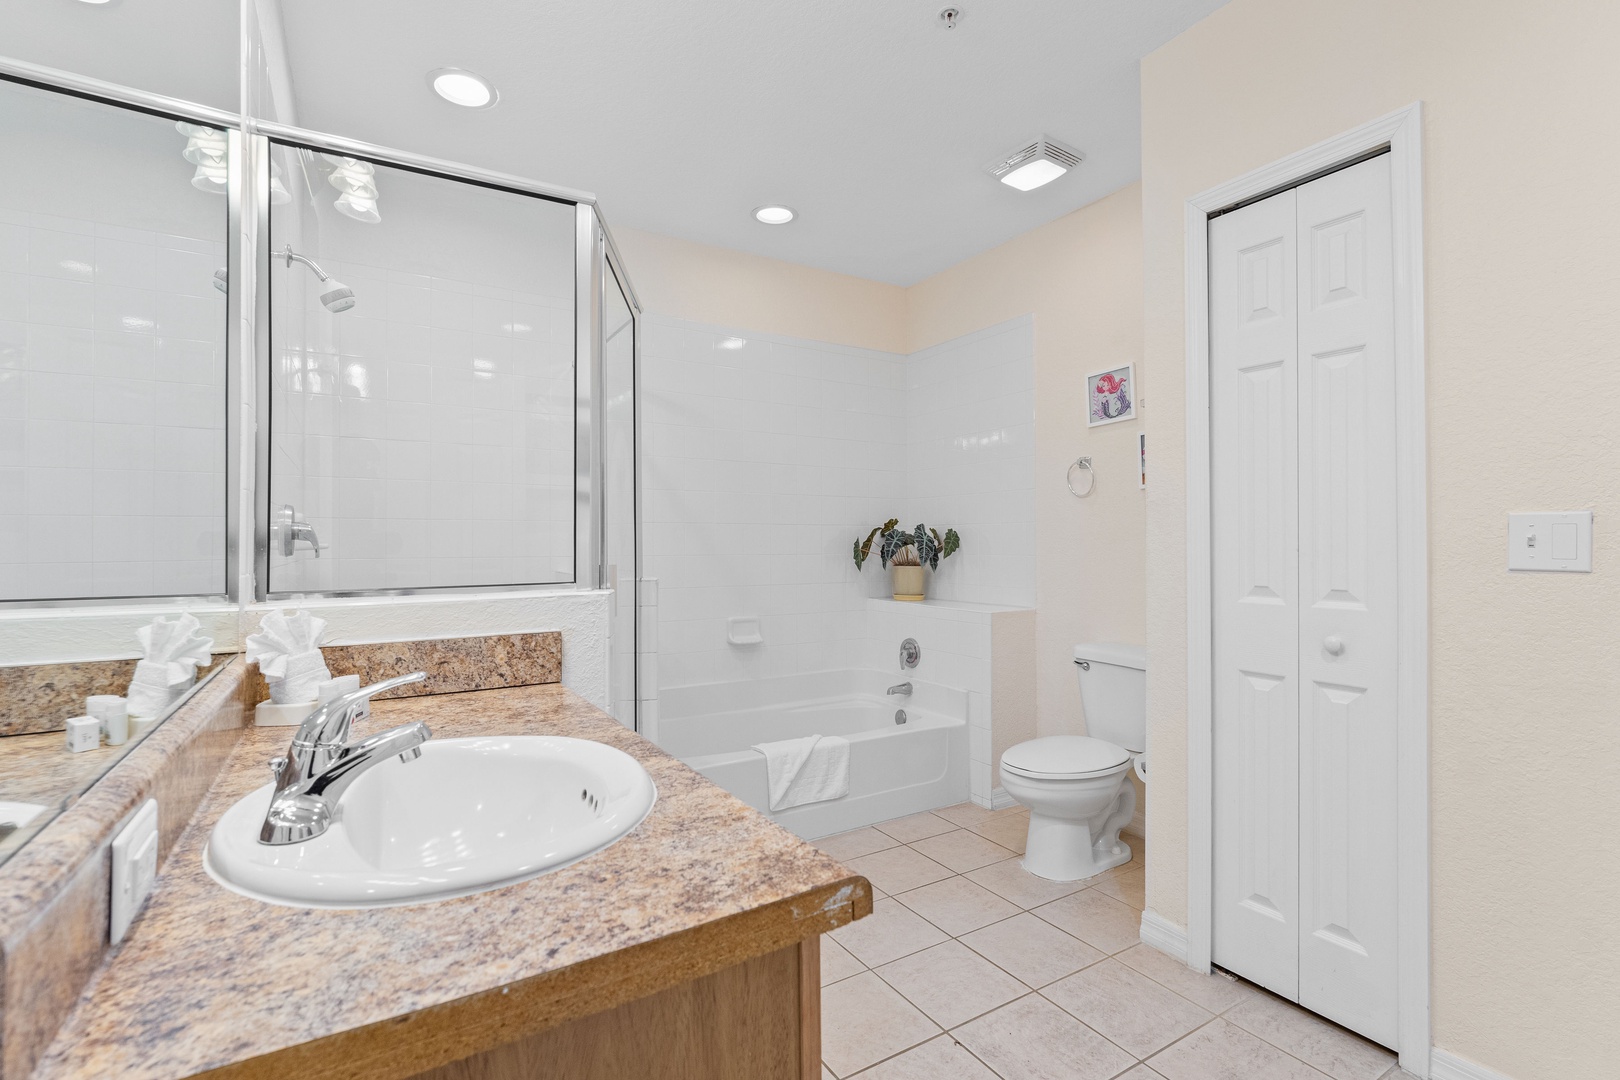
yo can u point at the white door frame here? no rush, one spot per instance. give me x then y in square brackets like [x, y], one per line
[1401, 131]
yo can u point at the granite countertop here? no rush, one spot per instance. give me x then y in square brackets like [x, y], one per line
[209, 981]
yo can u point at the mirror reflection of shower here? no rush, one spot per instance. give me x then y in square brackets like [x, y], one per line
[335, 296]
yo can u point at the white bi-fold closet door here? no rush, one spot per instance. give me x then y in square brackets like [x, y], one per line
[1304, 605]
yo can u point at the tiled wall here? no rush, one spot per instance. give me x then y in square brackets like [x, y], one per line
[438, 415]
[765, 457]
[427, 433]
[112, 410]
[970, 459]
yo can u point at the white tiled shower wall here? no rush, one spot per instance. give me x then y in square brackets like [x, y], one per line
[437, 414]
[112, 410]
[970, 460]
[765, 457]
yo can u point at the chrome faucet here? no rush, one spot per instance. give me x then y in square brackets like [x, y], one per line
[321, 763]
[904, 689]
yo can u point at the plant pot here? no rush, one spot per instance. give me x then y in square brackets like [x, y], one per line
[908, 582]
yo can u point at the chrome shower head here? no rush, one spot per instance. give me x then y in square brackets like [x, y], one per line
[335, 297]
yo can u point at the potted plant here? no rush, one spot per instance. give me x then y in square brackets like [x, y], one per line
[907, 553]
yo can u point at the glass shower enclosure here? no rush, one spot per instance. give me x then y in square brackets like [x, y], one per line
[446, 384]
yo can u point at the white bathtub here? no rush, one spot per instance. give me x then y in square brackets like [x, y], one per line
[894, 769]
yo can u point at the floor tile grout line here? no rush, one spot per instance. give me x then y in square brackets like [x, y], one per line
[1038, 991]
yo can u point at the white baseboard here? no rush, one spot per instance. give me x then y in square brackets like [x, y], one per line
[1444, 1065]
[1164, 935]
[1000, 800]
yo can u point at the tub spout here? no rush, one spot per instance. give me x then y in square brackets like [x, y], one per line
[903, 689]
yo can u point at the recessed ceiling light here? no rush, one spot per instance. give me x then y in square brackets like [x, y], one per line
[463, 88]
[94, 1]
[774, 215]
[1039, 162]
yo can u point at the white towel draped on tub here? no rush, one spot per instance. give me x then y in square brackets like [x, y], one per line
[812, 769]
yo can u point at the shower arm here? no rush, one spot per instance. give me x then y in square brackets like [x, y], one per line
[291, 256]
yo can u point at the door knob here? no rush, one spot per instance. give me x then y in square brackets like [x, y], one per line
[1334, 645]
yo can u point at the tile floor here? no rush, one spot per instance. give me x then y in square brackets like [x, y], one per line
[969, 968]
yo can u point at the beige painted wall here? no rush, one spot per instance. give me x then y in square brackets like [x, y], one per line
[1521, 147]
[1082, 277]
[714, 285]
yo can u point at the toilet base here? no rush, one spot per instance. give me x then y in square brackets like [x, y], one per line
[1062, 849]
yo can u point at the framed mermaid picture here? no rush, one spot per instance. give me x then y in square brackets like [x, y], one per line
[1111, 396]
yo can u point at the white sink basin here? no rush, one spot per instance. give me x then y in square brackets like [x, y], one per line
[468, 815]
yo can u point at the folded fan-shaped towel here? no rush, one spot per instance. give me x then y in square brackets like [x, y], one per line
[172, 649]
[807, 770]
[287, 650]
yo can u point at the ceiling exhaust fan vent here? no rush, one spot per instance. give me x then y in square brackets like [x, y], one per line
[1038, 162]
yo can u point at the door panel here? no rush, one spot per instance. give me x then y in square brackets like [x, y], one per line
[1347, 657]
[1253, 428]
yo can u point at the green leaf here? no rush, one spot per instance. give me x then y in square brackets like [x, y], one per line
[893, 541]
[863, 551]
[951, 545]
[927, 551]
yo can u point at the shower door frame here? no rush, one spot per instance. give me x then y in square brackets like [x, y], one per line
[593, 250]
[613, 271]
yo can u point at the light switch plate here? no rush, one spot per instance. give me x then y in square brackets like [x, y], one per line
[1559, 541]
[134, 867]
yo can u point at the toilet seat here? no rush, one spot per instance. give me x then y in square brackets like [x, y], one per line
[1065, 757]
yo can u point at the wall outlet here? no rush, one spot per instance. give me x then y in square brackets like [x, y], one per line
[1558, 541]
[134, 867]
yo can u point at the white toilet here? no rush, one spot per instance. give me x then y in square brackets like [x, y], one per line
[1076, 786]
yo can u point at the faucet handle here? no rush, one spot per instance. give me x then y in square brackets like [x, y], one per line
[329, 724]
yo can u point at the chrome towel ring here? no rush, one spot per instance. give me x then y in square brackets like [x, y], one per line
[1091, 477]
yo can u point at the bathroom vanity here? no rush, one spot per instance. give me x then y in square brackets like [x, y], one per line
[688, 948]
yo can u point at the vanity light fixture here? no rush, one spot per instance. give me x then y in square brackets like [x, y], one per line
[774, 215]
[1038, 162]
[463, 88]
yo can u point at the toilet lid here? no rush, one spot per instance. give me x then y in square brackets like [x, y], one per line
[1064, 755]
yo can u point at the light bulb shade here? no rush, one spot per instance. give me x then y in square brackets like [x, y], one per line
[203, 151]
[213, 179]
[353, 183]
[358, 207]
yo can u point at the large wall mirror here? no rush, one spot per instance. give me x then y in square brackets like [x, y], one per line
[114, 419]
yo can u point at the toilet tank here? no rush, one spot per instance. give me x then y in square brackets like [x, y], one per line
[1113, 689]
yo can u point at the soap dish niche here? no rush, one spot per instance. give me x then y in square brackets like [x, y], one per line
[744, 630]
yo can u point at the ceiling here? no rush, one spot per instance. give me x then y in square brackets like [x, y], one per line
[868, 117]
